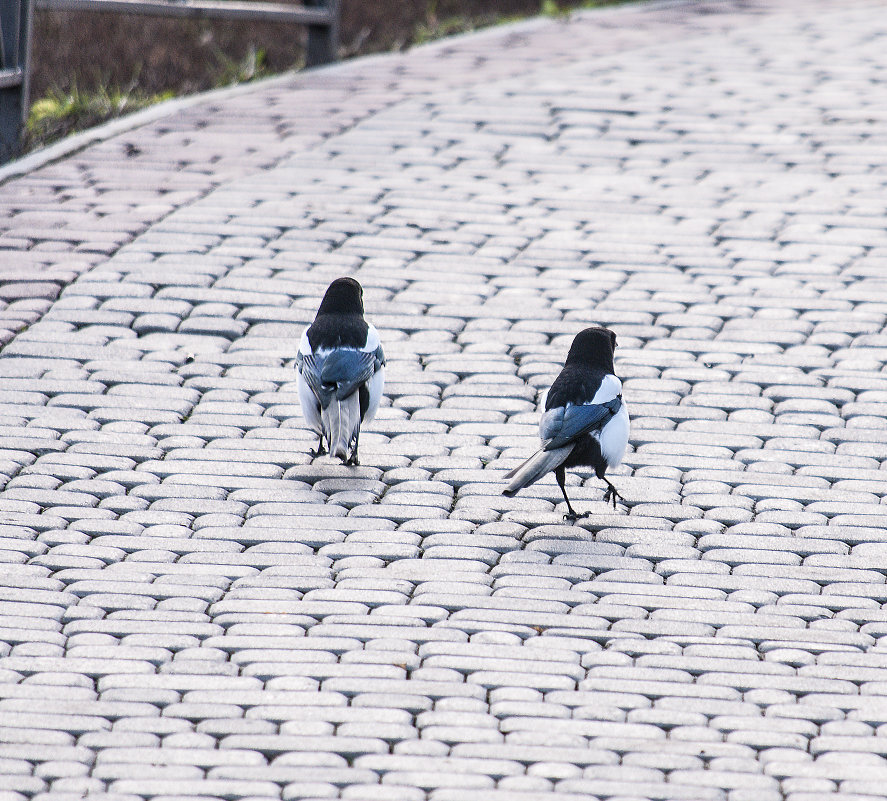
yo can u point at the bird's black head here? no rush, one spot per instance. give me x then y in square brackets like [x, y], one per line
[343, 296]
[593, 347]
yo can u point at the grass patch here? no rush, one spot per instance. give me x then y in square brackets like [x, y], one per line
[438, 28]
[60, 113]
[550, 8]
[433, 27]
[250, 68]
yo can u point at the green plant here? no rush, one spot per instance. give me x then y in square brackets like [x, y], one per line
[62, 111]
[249, 68]
[550, 8]
[437, 29]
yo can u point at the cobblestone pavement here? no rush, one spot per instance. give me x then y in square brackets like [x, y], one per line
[190, 608]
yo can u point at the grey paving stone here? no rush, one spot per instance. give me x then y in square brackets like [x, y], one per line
[733, 607]
[219, 788]
[371, 792]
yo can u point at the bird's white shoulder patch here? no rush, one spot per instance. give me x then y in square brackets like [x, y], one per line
[373, 340]
[611, 387]
[305, 344]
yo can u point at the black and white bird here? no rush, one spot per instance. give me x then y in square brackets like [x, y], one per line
[585, 420]
[341, 370]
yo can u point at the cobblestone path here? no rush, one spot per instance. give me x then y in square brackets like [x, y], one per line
[192, 609]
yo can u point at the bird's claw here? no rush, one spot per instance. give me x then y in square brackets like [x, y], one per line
[574, 516]
[611, 495]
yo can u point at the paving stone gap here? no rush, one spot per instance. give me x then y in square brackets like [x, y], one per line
[191, 607]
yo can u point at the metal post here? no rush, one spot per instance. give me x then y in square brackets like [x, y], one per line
[323, 40]
[15, 39]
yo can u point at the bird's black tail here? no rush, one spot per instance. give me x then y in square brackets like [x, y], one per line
[535, 467]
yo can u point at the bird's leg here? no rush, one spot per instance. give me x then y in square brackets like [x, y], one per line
[321, 451]
[611, 494]
[572, 516]
[353, 458]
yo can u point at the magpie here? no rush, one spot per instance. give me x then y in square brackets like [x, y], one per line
[585, 420]
[341, 370]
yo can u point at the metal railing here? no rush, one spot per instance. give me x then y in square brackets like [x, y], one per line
[321, 18]
[15, 39]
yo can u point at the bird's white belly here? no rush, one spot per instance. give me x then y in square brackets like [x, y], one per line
[376, 386]
[613, 437]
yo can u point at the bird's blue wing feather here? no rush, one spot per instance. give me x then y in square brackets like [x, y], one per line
[344, 370]
[310, 366]
[340, 372]
[564, 424]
